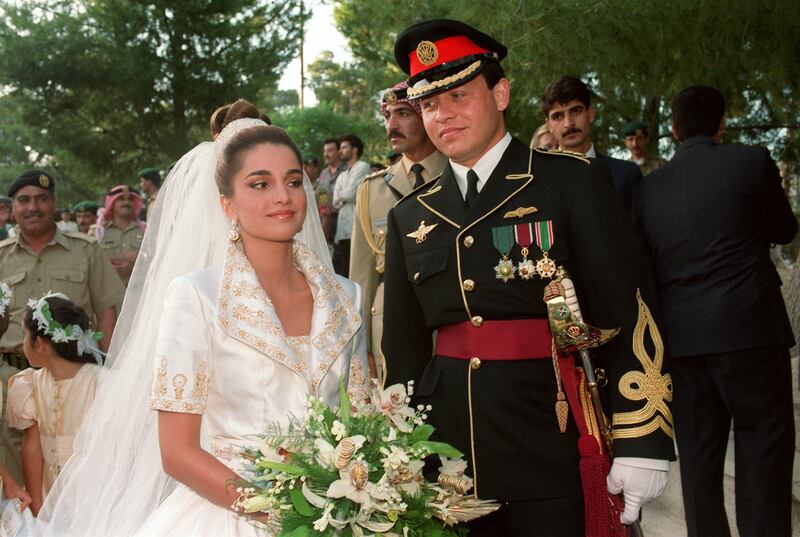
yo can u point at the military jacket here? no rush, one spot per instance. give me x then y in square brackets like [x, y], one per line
[72, 263]
[116, 241]
[440, 269]
[378, 193]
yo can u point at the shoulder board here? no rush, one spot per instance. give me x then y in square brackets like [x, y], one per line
[417, 190]
[379, 173]
[79, 235]
[7, 242]
[559, 152]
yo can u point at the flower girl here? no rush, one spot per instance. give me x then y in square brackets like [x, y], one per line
[49, 404]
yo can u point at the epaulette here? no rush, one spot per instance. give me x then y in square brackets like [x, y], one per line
[561, 152]
[379, 173]
[6, 242]
[79, 235]
[416, 190]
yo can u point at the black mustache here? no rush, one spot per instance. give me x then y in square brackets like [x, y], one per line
[572, 131]
[397, 134]
[33, 215]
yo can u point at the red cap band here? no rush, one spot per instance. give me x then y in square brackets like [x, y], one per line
[443, 51]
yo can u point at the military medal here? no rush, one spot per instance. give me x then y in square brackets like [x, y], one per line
[503, 240]
[524, 236]
[545, 267]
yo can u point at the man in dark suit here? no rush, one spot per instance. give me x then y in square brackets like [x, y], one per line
[709, 216]
[460, 254]
[569, 115]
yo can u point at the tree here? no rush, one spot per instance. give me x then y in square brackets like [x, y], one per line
[105, 87]
[634, 54]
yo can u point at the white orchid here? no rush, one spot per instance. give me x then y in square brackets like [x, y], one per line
[321, 524]
[407, 478]
[395, 457]
[452, 466]
[354, 484]
[393, 403]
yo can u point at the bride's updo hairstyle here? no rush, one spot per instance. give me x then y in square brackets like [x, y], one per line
[239, 109]
[236, 143]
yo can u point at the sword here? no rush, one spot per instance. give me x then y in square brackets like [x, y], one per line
[572, 334]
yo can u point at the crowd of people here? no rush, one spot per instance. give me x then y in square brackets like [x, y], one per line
[460, 256]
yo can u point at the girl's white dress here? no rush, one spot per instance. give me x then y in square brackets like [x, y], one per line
[221, 353]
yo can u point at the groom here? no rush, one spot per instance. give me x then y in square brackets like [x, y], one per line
[458, 257]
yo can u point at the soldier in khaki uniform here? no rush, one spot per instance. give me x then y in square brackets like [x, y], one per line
[420, 163]
[40, 259]
[120, 232]
[637, 139]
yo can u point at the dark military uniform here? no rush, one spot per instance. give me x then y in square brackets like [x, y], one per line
[500, 413]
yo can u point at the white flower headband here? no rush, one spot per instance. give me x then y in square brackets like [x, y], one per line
[5, 297]
[232, 128]
[86, 339]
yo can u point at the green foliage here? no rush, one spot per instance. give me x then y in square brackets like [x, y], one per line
[309, 127]
[102, 88]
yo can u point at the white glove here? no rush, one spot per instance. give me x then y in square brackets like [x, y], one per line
[638, 486]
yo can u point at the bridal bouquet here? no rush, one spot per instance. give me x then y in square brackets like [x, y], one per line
[358, 472]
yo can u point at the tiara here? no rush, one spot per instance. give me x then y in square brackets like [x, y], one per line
[232, 128]
[5, 297]
[86, 339]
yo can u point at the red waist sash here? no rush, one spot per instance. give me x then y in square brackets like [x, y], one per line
[522, 339]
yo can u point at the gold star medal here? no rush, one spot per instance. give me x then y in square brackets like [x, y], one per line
[524, 235]
[422, 232]
[503, 240]
[545, 267]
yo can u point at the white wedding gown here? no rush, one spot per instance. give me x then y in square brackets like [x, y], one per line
[221, 352]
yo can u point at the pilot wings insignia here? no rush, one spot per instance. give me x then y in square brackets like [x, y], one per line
[422, 232]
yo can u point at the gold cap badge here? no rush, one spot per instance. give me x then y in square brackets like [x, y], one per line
[44, 181]
[390, 97]
[427, 53]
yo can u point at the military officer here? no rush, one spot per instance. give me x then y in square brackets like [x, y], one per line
[42, 258]
[468, 256]
[378, 193]
[120, 232]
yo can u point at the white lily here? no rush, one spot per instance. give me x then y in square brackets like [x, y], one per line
[321, 524]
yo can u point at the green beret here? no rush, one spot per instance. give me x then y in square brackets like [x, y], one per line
[86, 206]
[32, 178]
[631, 128]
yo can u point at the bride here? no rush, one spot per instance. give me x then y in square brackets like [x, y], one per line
[227, 349]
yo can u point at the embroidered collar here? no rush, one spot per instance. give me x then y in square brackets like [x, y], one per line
[246, 313]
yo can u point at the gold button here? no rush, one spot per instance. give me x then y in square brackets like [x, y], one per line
[477, 321]
[469, 241]
[381, 232]
[372, 310]
[474, 362]
[416, 276]
[468, 285]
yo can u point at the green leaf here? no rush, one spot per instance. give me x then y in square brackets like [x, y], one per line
[421, 432]
[287, 468]
[344, 403]
[440, 448]
[302, 531]
[300, 503]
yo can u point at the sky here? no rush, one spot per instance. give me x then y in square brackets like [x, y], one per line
[321, 35]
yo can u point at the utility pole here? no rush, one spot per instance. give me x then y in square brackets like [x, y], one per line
[302, 59]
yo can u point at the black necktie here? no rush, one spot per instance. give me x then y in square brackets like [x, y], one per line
[416, 169]
[472, 188]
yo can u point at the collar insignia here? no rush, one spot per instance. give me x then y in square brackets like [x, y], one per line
[427, 53]
[421, 234]
[519, 212]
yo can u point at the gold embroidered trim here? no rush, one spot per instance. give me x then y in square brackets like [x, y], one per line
[649, 386]
[579, 156]
[160, 384]
[362, 207]
[416, 92]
